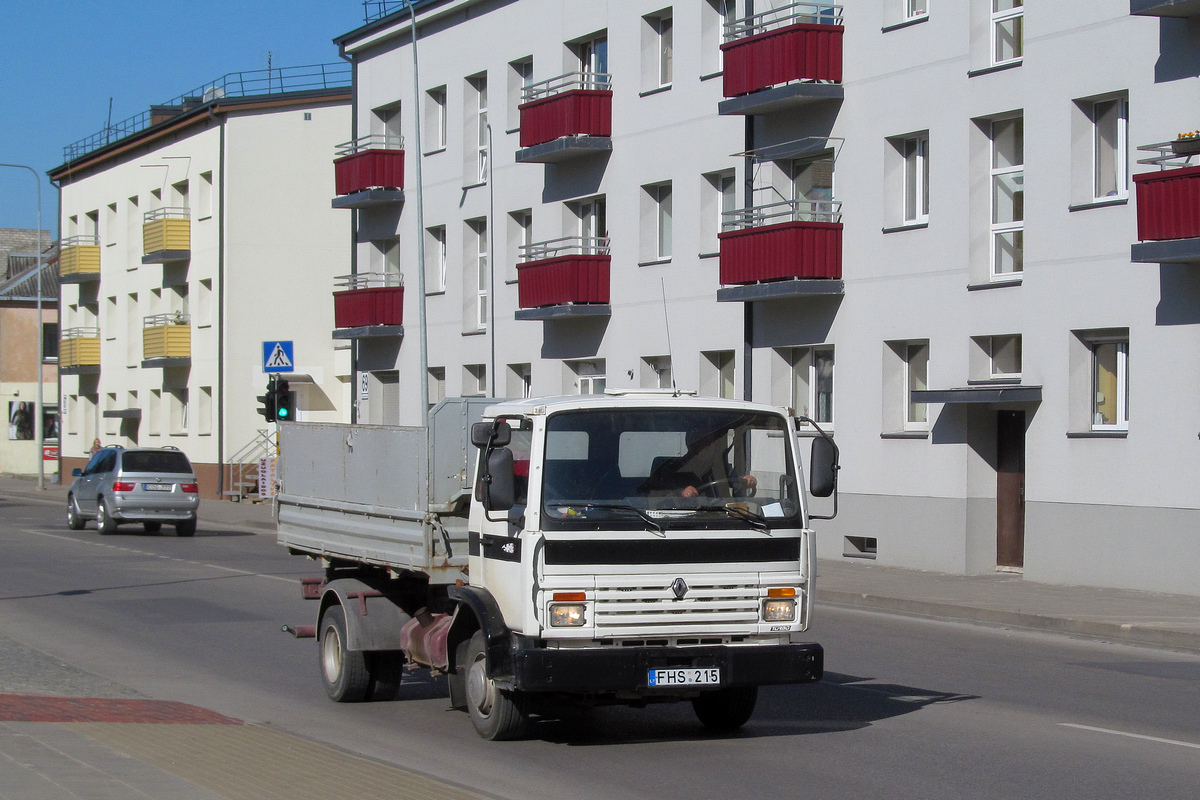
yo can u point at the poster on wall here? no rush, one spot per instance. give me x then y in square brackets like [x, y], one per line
[20, 419]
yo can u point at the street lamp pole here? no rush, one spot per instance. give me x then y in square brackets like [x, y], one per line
[41, 354]
[423, 378]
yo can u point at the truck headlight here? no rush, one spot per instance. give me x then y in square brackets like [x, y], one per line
[779, 610]
[567, 615]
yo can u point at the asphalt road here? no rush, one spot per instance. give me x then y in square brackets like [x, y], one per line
[909, 708]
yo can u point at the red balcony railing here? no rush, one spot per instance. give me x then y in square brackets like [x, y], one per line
[782, 241]
[799, 42]
[370, 298]
[1168, 201]
[575, 104]
[371, 162]
[571, 270]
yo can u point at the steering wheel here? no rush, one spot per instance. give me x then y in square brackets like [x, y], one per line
[738, 487]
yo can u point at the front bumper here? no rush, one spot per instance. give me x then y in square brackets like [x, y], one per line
[626, 669]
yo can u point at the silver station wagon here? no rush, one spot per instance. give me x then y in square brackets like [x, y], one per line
[144, 485]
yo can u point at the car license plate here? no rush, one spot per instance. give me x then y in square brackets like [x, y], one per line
[685, 676]
[158, 487]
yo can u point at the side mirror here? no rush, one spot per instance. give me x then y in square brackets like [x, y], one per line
[75, 473]
[823, 467]
[496, 489]
[494, 434]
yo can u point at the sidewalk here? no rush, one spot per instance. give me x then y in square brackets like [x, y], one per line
[1161, 620]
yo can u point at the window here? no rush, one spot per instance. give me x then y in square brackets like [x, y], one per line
[916, 379]
[1007, 197]
[915, 151]
[593, 224]
[204, 412]
[435, 119]
[204, 196]
[656, 372]
[437, 385]
[475, 380]
[657, 222]
[715, 15]
[50, 341]
[520, 75]
[658, 48]
[588, 376]
[133, 231]
[435, 259]
[812, 188]
[520, 379]
[717, 374]
[593, 62]
[385, 126]
[385, 256]
[520, 236]
[1110, 385]
[479, 277]
[915, 8]
[1110, 148]
[995, 358]
[110, 225]
[810, 382]
[1007, 31]
[720, 197]
[479, 137]
[153, 412]
[178, 399]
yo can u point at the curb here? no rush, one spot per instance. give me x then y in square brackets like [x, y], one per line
[1126, 633]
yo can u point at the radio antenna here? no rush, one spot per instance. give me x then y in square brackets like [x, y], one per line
[667, 324]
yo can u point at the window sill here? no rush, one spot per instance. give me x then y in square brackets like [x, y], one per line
[434, 292]
[513, 130]
[905, 435]
[474, 333]
[975, 287]
[709, 76]
[655, 90]
[714, 254]
[655, 262]
[1097, 434]
[908, 23]
[1101, 203]
[203, 324]
[435, 151]
[206, 216]
[1006, 380]
[474, 185]
[974, 73]
[908, 226]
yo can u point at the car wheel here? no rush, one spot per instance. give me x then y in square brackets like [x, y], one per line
[152, 527]
[498, 714]
[104, 521]
[343, 672]
[74, 521]
[185, 527]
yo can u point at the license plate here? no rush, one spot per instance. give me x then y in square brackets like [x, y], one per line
[158, 487]
[685, 676]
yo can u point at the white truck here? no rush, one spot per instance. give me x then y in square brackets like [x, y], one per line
[630, 547]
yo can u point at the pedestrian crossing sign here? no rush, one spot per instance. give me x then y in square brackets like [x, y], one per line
[277, 357]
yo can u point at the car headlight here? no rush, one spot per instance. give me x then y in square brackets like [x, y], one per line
[779, 610]
[567, 615]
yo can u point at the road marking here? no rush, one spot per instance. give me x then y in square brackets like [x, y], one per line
[156, 555]
[1130, 735]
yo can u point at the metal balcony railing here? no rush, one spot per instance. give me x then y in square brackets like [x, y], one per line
[168, 212]
[163, 320]
[80, 241]
[369, 280]
[787, 211]
[776, 18]
[1167, 157]
[566, 83]
[234, 84]
[565, 246]
[80, 333]
[375, 141]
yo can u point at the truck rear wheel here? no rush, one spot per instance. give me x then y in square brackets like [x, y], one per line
[343, 672]
[497, 714]
[386, 671]
[726, 709]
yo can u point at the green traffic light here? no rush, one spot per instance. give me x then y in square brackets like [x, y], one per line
[283, 412]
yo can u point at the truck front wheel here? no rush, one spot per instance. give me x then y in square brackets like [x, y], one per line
[726, 709]
[496, 713]
[343, 672]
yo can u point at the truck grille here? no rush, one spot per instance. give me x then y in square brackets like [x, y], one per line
[652, 606]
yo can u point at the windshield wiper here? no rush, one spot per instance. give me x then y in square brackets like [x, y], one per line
[756, 521]
[654, 524]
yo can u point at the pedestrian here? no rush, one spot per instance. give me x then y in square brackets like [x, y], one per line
[96, 446]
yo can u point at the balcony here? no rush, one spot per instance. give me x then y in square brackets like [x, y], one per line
[79, 351]
[371, 304]
[565, 277]
[79, 259]
[166, 340]
[369, 171]
[166, 235]
[783, 250]
[1165, 8]
[782, 59]
[1168, 205]
[566, 117]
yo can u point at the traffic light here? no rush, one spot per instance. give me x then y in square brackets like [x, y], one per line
[269, 403]
[284, 412]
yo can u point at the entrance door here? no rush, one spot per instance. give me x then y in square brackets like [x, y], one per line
[1010, 489]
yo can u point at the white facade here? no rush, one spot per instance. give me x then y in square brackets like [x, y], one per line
[954, 276]
[253, 178]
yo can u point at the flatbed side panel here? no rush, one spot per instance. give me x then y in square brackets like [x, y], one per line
[372, 465]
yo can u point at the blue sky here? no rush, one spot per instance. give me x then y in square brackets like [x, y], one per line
[61, 61]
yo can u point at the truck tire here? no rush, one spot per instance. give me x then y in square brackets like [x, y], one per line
[74, 520]
[497, 714]
[343, 672]
[104, 521]
[386, 670]
[726, 709]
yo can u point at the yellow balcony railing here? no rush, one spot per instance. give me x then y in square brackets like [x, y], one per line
[166, 336]
[79, 257]
[166, 230]
[80, 347]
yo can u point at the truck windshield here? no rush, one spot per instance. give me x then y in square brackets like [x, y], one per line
[618, 467]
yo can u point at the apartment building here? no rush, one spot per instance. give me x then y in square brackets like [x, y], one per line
[192, 234]
[823, 207]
